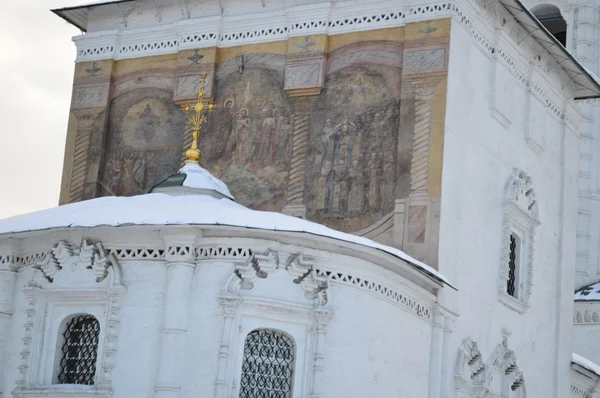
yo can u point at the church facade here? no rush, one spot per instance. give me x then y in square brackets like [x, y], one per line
[447, 133]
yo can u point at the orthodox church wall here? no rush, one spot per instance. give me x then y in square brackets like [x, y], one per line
[582, 42]
[497, 127]
[345, 311]
[343, 129]
[586, 330]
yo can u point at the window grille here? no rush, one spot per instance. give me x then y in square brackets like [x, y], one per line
[268, 363]
[512, 267]
[79, 351]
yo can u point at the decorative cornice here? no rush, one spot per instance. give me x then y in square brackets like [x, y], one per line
[328, 18]
[396, 297]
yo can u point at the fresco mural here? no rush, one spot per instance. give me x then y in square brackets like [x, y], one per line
[145, 141]
[353, 139]
[246, 142]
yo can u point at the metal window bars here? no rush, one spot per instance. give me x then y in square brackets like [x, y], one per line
[267, 367]
[79, 351]
[512, 267]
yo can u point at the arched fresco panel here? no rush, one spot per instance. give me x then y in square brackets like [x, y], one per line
[145, 139]
[246, 142]
[353, 139]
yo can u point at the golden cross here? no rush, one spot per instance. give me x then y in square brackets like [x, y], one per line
[197, 120]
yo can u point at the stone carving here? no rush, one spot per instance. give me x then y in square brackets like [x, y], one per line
[520, 214]
[519, 189]
[469, 364]
[305, 274]
[90, 256]
[256, 266]
[301, 269]
[474, 377]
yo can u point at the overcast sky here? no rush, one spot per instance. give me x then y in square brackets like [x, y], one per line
[36, 74]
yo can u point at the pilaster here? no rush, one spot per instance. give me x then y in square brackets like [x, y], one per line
[8, 276]
[180, 270]
[420, 212]
[304, 80]
[86, 135]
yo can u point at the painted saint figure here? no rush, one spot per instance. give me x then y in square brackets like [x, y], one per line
[266, 153]
[242, 134]
[146, 125]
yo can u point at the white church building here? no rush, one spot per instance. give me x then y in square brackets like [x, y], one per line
[184, 292]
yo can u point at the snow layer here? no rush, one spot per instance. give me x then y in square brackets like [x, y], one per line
[586, 363]
[197, 177]
[164, 209]
[588, 293]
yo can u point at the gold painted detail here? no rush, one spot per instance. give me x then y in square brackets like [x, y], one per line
[196, 120]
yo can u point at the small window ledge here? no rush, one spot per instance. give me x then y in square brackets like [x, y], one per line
[63, 391]
[513, 303]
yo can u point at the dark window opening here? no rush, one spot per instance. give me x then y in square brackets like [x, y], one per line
[552, 20]
[268, 365]
[512, 267]
[79, 351]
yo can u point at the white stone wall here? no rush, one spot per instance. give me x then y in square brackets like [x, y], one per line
[375, 325]
[488, 133]
[582, 41]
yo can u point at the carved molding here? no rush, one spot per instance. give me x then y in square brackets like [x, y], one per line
[469, 366]
[43, 290]
[90, 256]
[474, 377]
[520, 215]
[260, 266]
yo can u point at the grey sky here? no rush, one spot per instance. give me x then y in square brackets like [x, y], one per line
[36, 72]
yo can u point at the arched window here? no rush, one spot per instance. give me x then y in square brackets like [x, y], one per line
[268, 365]
[79, 350]
[552, 20]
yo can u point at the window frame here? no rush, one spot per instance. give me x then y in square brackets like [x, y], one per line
[298, 332]
[520, 217]
[293, 360]
[61, 341]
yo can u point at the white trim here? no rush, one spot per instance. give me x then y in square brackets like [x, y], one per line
[520, 216]
[50, 301]
[228, 31]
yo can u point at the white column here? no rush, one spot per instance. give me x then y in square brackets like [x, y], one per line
[321, 320]
[436, 354]
[180, 271]
[229, 306]
[8, 276]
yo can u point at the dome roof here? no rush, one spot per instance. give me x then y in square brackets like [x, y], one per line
[206, 201]
[195, 177]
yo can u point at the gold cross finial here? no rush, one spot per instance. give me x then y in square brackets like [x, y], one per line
[197, 120]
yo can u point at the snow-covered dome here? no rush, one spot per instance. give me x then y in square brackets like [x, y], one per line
[195, 178]
[191, 197]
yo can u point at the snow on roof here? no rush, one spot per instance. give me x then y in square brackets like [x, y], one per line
[586, 363]
[588, 293]
[164, 209]
[197, 177]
